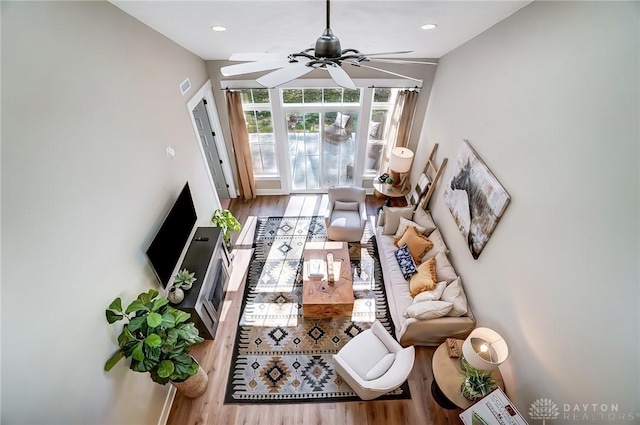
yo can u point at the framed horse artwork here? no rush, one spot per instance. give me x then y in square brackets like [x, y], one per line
[475, 198]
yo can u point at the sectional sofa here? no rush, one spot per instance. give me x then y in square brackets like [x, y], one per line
[422, 314]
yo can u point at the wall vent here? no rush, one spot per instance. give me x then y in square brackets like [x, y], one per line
[185, 86]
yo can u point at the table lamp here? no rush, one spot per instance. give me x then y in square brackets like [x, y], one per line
[484, 349]
[400, 163]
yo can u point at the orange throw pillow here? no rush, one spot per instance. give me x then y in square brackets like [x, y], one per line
[425, 279]
[417, 243]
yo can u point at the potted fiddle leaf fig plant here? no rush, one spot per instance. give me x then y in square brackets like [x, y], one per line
[227, 222]
[157, 338]
[477, 383]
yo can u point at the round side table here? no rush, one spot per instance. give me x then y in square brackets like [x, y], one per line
[389, 191]
[448, 379]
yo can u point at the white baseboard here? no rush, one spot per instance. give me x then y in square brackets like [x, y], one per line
[166, 409]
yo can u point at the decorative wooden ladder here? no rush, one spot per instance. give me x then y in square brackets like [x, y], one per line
[433, 172]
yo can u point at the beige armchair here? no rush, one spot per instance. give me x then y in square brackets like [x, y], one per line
[373, 363]
[346, 215]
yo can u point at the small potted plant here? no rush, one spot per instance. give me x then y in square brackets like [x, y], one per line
[225, 220]
[477, 383]
[184, 279]
[157, 339]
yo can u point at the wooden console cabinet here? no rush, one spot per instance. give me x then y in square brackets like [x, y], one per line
[207, 257]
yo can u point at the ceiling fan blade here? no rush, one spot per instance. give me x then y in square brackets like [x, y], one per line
[246, 68]
[340, 76]
[250, 57]
[402, 52]
[400, 61]
[384, 70]
[284, 75]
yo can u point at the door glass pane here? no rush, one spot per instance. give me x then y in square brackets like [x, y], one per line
[338, 148]
[304, 150]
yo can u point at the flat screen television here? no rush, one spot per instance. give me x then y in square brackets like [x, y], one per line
[166, 247]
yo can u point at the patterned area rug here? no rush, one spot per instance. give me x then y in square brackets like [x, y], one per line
[281, 356]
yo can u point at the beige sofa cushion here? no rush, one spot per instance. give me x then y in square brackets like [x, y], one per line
[454, 294]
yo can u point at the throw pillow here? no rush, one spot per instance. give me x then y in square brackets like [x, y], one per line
[454, 294]
[405, 261]
[345, 206]
[444, 269]
[381, 219]
[341, 120]
[381, 367]
[373, 129]
[404, 225]
[417, 242]
[427, 310]
[424, 219]
[432, 295]
[424, 279]
[392, 218]
[438, 245]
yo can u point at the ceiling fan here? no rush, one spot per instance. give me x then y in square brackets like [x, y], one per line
[327, 55]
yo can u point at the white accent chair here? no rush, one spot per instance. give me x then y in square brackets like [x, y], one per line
[346, 215]
[373, 363]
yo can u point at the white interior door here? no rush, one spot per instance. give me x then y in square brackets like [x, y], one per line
[207, 139]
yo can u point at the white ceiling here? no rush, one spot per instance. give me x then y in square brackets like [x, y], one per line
[291, 26]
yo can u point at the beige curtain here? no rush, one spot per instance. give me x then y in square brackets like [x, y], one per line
[400, 122]
[240, 141]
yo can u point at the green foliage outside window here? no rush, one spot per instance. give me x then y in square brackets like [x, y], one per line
[255, 95]
[258, 121]
[382, 95]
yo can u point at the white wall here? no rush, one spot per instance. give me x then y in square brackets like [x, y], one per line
[549, 98]
[90, 100]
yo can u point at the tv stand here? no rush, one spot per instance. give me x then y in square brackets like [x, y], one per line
[207, 257]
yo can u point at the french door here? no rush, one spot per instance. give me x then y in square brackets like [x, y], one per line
[321, 148]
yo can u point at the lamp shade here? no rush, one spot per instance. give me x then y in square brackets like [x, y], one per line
[400, 160]
[484, 349]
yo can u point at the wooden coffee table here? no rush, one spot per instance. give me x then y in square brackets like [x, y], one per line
[320, 298]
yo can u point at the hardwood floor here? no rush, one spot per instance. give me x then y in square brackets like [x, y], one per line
[215, 356]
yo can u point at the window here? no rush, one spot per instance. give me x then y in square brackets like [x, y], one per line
[257, 113]
[381, 108]
[309, 137]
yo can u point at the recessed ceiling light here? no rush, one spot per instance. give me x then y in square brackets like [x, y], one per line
[429, 26]
[218, 28]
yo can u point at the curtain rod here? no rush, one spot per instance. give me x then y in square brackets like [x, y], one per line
[370, 87]
[381, 87]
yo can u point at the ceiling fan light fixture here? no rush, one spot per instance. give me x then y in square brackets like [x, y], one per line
[328, 45]
[218, 28]
[427, 27]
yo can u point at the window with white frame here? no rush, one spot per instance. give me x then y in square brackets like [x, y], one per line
[318, 134]
[262, 142]
[381, 109]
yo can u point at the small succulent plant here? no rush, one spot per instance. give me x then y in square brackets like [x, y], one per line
[477, 383]
[184, 279]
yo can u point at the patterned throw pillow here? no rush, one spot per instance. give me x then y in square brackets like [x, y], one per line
[405, 261]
